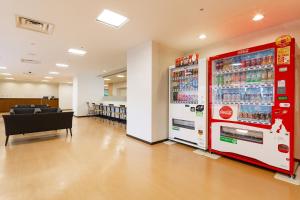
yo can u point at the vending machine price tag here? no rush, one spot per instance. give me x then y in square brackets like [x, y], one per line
[282, 98]
[283, 69]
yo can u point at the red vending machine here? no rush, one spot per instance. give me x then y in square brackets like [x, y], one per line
[251, 105]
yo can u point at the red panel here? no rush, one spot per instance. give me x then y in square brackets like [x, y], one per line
[277, 111]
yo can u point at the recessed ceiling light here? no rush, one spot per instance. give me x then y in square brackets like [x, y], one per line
[62, 65]
[10, 78]
[104, 71]
[120, 76]
[1, 67]
[45, 80]
[202, 36]
[54, 73]
[6, 74]
[111, 18]
[79, 52]
[107, 79]
[258, 17]
[48, 77]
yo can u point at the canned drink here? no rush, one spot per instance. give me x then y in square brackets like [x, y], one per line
[253, 62]
[248, 63]
[270, 59]
[259, 60]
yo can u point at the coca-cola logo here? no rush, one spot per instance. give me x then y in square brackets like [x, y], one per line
[226, 112]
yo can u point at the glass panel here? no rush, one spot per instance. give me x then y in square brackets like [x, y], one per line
[246, 80]
[231, 134]
[184, 85]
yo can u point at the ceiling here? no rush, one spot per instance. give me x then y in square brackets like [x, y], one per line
[175, 23]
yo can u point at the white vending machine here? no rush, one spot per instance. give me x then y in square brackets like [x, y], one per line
[188, 101]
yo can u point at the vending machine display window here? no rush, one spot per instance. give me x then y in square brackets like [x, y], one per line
[184, 85]
[246, 81]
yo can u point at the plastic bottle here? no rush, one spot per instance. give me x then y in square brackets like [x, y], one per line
[248, 76]
[221, 80]
[270, 75]
[253, 76]
[259, 76]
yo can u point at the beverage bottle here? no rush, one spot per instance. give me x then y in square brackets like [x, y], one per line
[235, 96]
[248, 76]
[271, 59]
[243, 62]
[253, 61]
[246, 113]
[259, 59]
[270, 75]
[258, 76]
[217, 96]
[271, 94]
[239, 95]
[217, 80]
[265, 59]
[230, 62]
[226, 96]
[231, 79]
[221, 80]
[248, 61]
[225, 79]
[238, 62]
[264, 75]
[253, 76]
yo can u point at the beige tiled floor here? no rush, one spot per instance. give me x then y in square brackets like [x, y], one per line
[100, 162]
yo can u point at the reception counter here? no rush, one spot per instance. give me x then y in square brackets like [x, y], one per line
[7, 103]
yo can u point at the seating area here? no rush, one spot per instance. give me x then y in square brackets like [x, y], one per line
[31, 109]
[24, 119]
[109, 112]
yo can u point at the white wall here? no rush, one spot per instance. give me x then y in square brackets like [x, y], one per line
[139, 91]
[65, 95]
[16, 89]
[86, 88]
[147, 90]
[252, 39]
[163, 57]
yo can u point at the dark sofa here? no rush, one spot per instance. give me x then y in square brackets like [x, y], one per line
[23, 110]
[30, 123]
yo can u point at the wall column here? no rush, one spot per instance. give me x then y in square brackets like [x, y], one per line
[86, 88]
[147, 90]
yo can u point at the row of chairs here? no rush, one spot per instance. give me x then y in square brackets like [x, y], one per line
[109, 112]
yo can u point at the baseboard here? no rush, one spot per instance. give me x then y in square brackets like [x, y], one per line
[147, 142]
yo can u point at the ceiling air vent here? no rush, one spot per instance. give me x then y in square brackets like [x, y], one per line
[34, 25]
[30, 61]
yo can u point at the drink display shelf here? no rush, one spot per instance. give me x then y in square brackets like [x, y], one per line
[184, 102]
[183, 78]
[246, 85]
[255, 103]
[264, 122]
[252, 68]
[183, 90]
